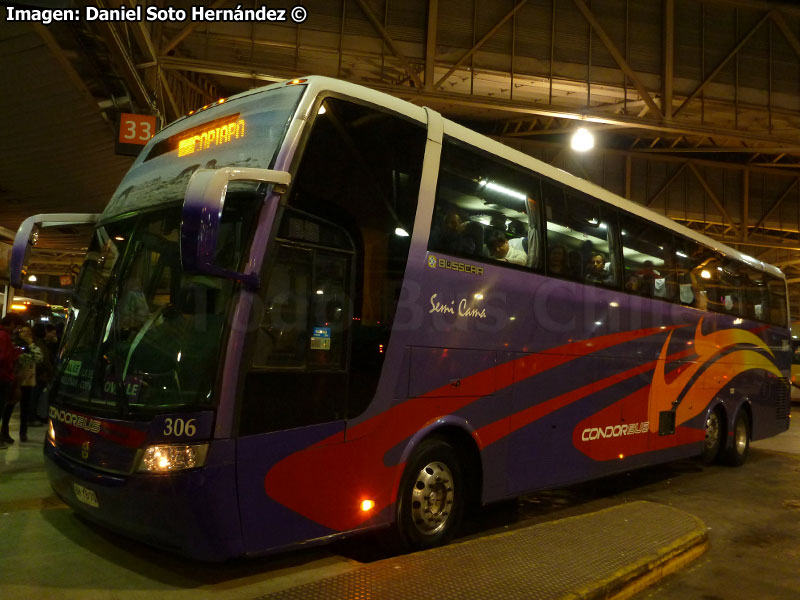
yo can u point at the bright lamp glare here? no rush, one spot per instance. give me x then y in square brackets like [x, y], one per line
[400, 232]
[32, 278]
[582, 140]
[164, 458]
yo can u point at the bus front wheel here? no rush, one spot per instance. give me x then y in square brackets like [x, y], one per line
[431, 496]
[736, 454]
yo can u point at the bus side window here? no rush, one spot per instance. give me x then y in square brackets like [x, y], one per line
[485, 209]
[731, 288]
[580, 234]
[648, 259]
[694, 266]
[755, 295]
[777, 301]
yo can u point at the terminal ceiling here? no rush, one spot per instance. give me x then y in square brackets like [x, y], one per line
[695, 104]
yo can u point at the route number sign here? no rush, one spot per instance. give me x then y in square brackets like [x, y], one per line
[134, 132]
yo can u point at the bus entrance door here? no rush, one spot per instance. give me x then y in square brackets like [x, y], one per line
[295, 394]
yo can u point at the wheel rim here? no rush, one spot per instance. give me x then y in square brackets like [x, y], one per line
[432, 498]
[740, 436]
[712, 431]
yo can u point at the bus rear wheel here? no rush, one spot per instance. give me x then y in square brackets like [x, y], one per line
[714, 437]
[736, 454]
[431, 497]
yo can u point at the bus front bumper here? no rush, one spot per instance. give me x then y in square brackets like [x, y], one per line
[194, 512]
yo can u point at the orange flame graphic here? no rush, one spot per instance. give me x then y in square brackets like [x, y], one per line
[715, 377]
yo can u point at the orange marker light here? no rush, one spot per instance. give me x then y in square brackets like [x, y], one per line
[367, 505]
[621, 456]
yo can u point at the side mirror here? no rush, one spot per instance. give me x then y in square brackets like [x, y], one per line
[202, 215]
[28, 235]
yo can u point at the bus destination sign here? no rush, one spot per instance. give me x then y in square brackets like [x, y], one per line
[211, 137]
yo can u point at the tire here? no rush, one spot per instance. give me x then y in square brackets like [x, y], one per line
[714, 437]
[736, 454]
[431, 497]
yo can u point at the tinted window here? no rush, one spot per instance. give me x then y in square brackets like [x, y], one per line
[648, 257]
[580, 234]
[777, 301]
[754, 294]
[694, 268]
[485, 209]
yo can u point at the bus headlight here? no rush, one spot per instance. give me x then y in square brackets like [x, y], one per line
[163, 458]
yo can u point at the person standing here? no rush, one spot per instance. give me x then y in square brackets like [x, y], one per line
[37, 417]
[51, 340]
[25, 378]
[8, 356]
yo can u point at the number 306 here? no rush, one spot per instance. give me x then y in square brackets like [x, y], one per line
[179, 427]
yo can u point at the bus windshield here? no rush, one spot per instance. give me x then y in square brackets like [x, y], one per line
[146, 335]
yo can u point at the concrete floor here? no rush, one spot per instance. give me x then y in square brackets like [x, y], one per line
[753, 513]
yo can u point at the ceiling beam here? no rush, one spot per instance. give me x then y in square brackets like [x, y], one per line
[377, 26]
[430, 42]
[167, 89]
[482, 102]
[617, 56]
[712, 195]
[184, 33]
[722, 63]
[480, 43]
[219, 68]
[58, 54]
[778, 19]
[664, 187]
[667, 158]
[777, 203]
[560, 130]
[125, 63]
[726, 150]
[669, 58]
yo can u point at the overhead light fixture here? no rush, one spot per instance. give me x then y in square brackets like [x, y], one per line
[400, 232]
[32, 278]
[501, 189]
[582, 140]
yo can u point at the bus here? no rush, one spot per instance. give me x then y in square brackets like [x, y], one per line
[313, 310]
[33, 311]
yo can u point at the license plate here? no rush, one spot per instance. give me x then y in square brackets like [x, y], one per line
[85, 495]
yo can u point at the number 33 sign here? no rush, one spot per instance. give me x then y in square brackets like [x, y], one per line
[134, 132]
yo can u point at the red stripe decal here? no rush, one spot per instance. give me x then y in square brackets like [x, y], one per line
[345, 473]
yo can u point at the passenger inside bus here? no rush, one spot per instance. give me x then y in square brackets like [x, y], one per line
[557, 261]
[599, 270]
[472, 241]
[507, 250]
[447, 234]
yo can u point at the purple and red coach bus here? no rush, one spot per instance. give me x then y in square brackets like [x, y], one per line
[314, 309]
